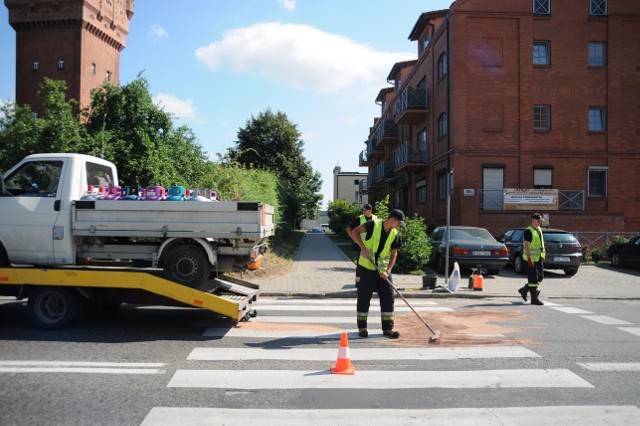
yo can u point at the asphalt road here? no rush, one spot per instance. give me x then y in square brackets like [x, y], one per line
[572, 361]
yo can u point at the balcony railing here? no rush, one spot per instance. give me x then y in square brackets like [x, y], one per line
[384, 170]
[405, 157]
[387, 133]
[568, 199]
[412, 106]
[364, 158]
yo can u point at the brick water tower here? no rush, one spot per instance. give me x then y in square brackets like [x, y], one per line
[78, 41]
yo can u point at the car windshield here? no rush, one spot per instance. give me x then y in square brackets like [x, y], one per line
[471, 234]
[559, 237]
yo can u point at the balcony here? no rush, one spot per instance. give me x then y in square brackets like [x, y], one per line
[409, 160]
[387, 133]
[412, 106]
[373, 150]
[385, 171]
[364, 159]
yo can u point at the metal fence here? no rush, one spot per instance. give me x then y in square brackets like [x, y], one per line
[568, 199]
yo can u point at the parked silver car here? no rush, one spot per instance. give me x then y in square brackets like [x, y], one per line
[562, 250]
[470, 247]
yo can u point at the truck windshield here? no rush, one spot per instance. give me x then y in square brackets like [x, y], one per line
[35, 179]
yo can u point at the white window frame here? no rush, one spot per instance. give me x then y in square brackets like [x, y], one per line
[598, 7]
[539, 59]
[597, 54]
[598, 171]
[542, 7]
[93, 68]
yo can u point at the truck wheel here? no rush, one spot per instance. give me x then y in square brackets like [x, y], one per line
[53, 308]
[187, 265]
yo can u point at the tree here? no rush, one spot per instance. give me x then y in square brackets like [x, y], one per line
[271, 142]
[341, 213]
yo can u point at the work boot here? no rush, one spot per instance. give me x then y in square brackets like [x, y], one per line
[523, 292]
[362, 332]
[534, 297]
[394, 334]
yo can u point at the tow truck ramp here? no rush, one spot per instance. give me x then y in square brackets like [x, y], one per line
[52, 301]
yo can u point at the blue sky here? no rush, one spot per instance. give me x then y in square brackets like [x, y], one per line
[216, 63]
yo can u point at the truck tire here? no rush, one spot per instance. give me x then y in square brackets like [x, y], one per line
[54, 308]
[187, 265]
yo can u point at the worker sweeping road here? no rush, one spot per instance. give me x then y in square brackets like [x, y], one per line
[378, 252]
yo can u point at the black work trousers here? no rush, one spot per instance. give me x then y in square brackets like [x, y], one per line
[535, 275]
[371, 281]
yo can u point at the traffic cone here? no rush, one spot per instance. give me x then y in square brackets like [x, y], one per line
[343, 364]
[478, 281]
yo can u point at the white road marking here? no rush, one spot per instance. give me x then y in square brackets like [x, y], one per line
[80, 367]
[498, 416]
[324, 301]
[610, 366]
[568, 310]
[547, 303]
[294, 379]
[283, 334]
[632, 330]
[375, 307]
[375, 319]
[360, 354]
[603, 319]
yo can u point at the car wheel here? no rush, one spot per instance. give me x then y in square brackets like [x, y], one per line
[518, 264]
[571, 272]
[187, 265]
[615, 260]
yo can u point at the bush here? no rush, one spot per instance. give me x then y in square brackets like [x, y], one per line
[416, 246]
[341, 213]
[596, 254]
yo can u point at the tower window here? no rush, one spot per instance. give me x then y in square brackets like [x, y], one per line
[107, 76]
[60, 63]
[36, 65]
[93, 68]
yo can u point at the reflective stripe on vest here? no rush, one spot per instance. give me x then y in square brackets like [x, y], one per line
[536, 246]
[372, 246]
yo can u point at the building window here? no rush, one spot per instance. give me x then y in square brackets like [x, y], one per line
[542, 178]
[442, 66]
[60, 63]
[542, 7]
[541, 117]
[597, 119]
[396, 199]
[36, 65]
[421, 191]
[425, 42]
[492, 187]
[541, 53]
[356, 181]
[598, 7]
[398, 84]
[107, 76]
[597, 54]
[442, 125]
[93, 68]
[442, 186]
[598, 181]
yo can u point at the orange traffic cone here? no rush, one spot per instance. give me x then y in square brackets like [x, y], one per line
[478, 281]
[343, 365]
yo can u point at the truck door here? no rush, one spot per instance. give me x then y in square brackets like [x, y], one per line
[29, 209]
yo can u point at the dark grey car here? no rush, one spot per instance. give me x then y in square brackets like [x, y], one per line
[563, 251]
[470, 247]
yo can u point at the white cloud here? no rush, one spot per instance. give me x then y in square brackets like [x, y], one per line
[178, 107]
[288, 4]
[300, 56]
[158, 33]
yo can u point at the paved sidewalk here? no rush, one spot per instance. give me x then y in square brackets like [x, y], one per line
[322, 269]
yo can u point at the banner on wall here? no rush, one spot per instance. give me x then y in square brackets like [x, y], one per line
[529, 199]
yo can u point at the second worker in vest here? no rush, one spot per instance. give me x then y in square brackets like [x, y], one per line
[533, 255]
[366, 216]
[380, 245]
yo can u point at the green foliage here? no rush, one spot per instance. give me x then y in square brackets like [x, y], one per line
[596, 254]
[340, 213]
[234, 183]
[416, 246]
[271, 142]
[381, 208]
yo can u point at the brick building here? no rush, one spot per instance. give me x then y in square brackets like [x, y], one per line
[518, 94]
[78, 41]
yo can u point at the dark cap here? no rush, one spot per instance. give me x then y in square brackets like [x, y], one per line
[536, 216]
[367, 207]
[397, 214]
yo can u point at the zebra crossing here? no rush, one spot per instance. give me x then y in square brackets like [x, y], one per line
[308, 341]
